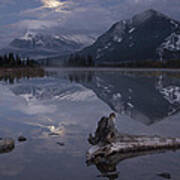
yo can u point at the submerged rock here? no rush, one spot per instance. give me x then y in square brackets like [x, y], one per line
[60, 143]
[53, 134]
[165, 175]
[21, 139]
[6, 145]
[112, 146]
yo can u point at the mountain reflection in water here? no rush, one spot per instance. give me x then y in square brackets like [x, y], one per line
[144, 96]
[147, 97]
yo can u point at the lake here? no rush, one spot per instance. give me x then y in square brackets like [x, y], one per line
[56, 112]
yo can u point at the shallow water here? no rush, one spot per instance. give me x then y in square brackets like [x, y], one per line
[64, 106]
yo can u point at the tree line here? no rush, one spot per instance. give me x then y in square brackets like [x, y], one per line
[13, 61]
[145, 64]
[77, 60]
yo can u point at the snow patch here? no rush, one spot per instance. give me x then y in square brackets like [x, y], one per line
[57, 37]
[28, 36]
[130, 105]
[172, 43]
[171, 94]
[117, 96]
[77, 96]
[131, 30]
[80, 38]
[117, 39]
[174, 23]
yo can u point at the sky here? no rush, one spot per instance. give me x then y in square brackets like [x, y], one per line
[73, 16]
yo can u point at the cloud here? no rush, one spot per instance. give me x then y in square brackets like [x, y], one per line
[6, 2]
[78, 15]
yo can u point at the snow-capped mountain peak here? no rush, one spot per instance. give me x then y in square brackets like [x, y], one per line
[28, 36]
[73, 39]
[37, 44]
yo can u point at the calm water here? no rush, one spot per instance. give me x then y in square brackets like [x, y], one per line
[64, 107]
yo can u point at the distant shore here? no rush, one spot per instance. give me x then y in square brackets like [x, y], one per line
[111, 69]
[3, 69]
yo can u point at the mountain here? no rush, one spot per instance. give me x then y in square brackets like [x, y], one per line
[40, 45]
[146, 36]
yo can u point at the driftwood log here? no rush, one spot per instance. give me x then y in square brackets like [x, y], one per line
[109, 147]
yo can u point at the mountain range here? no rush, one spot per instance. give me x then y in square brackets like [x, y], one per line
[149, 35]
[42, 45]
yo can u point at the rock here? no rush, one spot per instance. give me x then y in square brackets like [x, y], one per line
[53, 134]
[21, 139]
[165, 175]
[60, 143]
[6, 145]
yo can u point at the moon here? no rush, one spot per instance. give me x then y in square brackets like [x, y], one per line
[52, 4]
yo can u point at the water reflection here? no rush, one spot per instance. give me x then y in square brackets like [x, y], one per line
[148, 97]
[64, 106]
[108, 168]
[81, 77]
[13, 76]
[144, 96]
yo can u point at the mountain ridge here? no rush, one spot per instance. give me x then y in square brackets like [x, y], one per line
[139, 38]
[43, 44]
